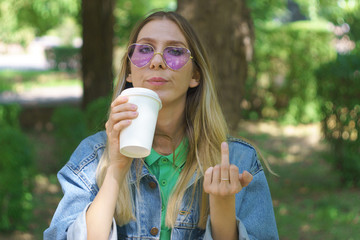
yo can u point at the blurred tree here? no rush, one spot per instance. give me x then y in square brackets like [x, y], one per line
[97, 49]
[128, 12]
[21, 20]
[266, 10]
[227, 30]
[338, 12]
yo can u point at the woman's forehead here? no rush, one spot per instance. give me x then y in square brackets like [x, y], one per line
[161, 30]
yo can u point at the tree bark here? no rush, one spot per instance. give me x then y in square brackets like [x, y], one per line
[226, 29]
[97, 49]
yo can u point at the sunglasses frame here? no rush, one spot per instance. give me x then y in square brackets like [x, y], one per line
[160, 53]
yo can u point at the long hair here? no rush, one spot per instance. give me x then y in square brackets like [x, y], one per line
[205, 128]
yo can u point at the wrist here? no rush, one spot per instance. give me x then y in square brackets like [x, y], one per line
[223, 217]
[223, 206]
[222, 200]
[118, 171]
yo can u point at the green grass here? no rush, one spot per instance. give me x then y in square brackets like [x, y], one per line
[11, 80]
[309, 201]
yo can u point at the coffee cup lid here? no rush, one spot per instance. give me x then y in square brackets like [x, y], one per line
[141, 92]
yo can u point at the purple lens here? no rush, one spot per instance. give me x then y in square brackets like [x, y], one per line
[140, 55]
[176, 57]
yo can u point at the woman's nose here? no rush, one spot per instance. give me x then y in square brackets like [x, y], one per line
[157, 62]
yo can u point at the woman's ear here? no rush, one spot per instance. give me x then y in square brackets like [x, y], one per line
[195, 81]
[128, 78]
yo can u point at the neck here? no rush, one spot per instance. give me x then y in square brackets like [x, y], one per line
[170, 129]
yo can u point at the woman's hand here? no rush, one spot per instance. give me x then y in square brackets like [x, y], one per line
[120, 117]
[225, 180]
[222, 182]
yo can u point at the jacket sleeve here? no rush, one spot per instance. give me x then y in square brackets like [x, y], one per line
[78, 183]
[75, 200]
[78, 230]
[256, 209]
[241, 230]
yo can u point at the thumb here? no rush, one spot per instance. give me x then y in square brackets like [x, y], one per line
[245, 178]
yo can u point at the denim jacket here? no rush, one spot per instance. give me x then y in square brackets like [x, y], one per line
[254, 210]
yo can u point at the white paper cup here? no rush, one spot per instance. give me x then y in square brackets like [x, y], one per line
[136, 139]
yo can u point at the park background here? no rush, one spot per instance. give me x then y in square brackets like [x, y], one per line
[289, 71]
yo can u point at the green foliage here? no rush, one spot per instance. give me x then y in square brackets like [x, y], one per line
[71, 125]
[45, 14]
[336, 11]
[25, 79]
[16, 171]
[21, 20]
[9, 114]
[128, 12]
[282, 78]
[339, 89]
[69, 129]
[96, 114]
[5, 84]
[266, 10]
[63, 58]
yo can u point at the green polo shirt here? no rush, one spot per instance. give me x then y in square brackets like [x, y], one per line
[166, 169]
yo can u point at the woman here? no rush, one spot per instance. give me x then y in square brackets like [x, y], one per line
[196, 183]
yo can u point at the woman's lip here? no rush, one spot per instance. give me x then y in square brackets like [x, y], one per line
[157, 81]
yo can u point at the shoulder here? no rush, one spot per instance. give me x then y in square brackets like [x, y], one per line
[243, 154]
[90, 149]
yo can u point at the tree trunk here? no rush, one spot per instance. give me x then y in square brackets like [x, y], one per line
[227, 31]
[97, 50]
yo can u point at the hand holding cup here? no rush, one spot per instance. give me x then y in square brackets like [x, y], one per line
[121, 115]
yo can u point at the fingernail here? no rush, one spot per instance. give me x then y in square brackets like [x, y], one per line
[133, 107]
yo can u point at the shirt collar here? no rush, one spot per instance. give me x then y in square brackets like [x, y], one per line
[180, 155]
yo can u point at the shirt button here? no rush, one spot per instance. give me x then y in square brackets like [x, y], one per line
[163, 182]
[164, 160]
[154, 231]
[152, 185]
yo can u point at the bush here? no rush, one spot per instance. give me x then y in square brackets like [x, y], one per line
[339, 90]
[282, 83]
[9, 115]
[96, 114]
[16, 179]
[69, 129]
[63, 58]
[71, 125]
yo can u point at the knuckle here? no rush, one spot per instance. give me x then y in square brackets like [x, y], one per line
[234, 189]
[207, 175]
[117, 127]
[234, 168]
[225, 166]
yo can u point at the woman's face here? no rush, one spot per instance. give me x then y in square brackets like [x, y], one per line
[170, 85]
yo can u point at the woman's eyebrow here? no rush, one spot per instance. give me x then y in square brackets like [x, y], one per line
[168, 42]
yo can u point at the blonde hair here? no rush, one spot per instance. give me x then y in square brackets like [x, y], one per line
[205, 128]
